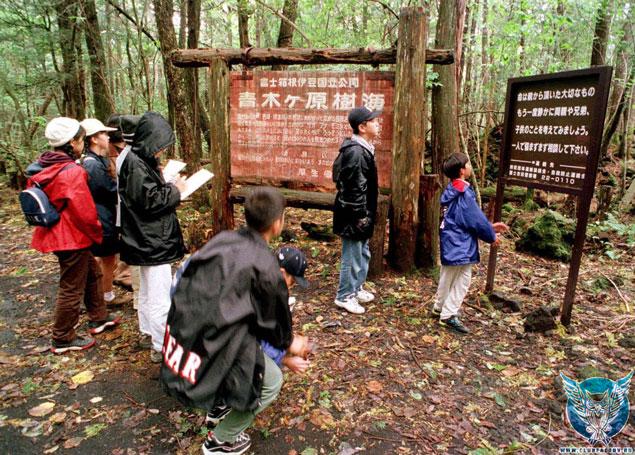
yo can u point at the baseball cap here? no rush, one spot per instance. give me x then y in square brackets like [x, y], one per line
[293, 261]
[61, 130]
[125, 124]
[94, 126]
[360, 115]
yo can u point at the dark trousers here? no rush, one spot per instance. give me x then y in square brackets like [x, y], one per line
[80, 279]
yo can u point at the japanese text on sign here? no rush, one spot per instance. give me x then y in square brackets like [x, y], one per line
[289, 125]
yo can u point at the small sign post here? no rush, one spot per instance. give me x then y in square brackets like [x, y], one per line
[551, 141]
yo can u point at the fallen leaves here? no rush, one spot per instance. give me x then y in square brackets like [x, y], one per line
[374, 386]
[83, 377]
[42, 409]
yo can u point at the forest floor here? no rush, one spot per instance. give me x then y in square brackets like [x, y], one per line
[390, 381]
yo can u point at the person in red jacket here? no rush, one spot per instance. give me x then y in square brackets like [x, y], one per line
[70, 239]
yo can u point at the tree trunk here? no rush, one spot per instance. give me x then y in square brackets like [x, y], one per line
[102, 98]
[73, 102]
[601, 35]
[445, 118]
[221, 211]
[163, 11]
[623, 54]
[285, 35]
[243, 23]
[191, 77]
[408, 136]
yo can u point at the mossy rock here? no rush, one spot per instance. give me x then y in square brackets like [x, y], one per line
[551, 235]
[588, 372]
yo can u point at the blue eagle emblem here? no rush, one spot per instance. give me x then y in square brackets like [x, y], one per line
[597, 408]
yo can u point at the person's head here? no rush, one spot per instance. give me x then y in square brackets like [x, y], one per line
[364, 122]
[65, 135]
[125, 126]
[264, 211]
[456, 166]
[152, 136]
[292, 265]
[97, 138]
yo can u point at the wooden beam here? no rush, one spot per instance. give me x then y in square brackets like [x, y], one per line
[292, 56]
[409, 132]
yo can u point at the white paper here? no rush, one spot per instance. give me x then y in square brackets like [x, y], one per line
[195, 181]
[172, 169]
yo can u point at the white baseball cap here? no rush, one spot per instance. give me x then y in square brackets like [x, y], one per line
[61, 130]
[94, 126]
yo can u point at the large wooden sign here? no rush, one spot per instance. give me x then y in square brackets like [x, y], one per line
[288, 125]
[553, 130]
[551, 140]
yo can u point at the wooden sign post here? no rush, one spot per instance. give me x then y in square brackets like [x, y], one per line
[551, 141]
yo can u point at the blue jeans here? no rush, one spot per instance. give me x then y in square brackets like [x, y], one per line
[354, 267]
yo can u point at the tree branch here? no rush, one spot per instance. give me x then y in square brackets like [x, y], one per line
[284, 18]
[131, 19]
[386, 7]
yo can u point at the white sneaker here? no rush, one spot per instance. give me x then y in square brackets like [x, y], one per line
[350, 304]
[364, 296]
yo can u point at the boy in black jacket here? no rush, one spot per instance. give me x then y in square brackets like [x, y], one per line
[230, 296]
[355, 174]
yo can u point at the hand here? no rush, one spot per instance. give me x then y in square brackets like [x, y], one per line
[364, 221]
[299, 346]
[296, 364]
[180, 183]
[498, 240]
[500, 227]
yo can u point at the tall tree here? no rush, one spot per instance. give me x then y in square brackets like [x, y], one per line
[601, 34]
[243, 23]
[180, 115]
[74, 96]
[102, 98]
[285, 35]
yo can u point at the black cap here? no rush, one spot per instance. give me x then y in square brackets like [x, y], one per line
[126, 125]
[293, 261]
[361, 115]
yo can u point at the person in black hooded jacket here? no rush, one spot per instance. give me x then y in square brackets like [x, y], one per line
[150, 232]
[355, 207]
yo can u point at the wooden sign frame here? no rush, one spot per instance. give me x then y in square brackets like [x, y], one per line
[541, 173]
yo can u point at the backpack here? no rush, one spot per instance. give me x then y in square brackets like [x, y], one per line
[37, 207]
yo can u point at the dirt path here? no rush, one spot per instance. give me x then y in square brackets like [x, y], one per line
[389, 381]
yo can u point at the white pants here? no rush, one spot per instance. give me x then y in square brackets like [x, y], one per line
[154, 301]
[454, 282]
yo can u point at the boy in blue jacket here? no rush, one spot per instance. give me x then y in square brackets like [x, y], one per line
[462, 225]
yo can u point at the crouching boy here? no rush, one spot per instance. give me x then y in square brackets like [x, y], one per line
[231, 296]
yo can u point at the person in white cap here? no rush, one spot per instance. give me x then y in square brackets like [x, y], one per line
[103, 186]
[64, 182]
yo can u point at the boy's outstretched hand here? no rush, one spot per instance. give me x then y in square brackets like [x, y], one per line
[299, 346]
[296, 364]
[500, 227]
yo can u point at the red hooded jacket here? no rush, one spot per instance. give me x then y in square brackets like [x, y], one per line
[78, 227]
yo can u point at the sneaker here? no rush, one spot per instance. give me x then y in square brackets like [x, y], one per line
[214, 446]
[216, 415]
[78, 344]
[350, 304]
[118, 301]
[145, 341]
[156, 356]
[95, 327]
[436, 314]
[363, 296]
[454, 324]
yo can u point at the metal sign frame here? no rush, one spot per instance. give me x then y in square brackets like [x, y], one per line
[602, 77]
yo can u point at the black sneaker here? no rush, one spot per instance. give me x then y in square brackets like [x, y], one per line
[434, 313]
[216, 415]
[78, 344]
[214, 446]
[95, 327]
[454, 324]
